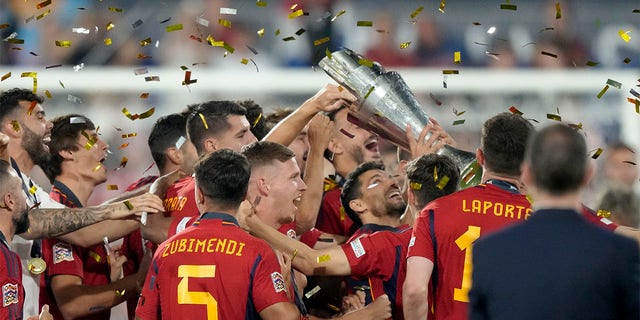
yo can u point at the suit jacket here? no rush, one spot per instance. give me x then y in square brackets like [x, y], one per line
[556, 265]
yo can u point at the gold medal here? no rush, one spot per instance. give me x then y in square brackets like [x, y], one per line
[36, 265]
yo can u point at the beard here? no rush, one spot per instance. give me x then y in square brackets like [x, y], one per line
[32, 143]
[22, 223]
[396, 209]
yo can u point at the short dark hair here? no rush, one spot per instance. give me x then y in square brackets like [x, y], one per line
[164, 134]
[423, 181]
[276, 116]
[223, 177]
[621, 203]
[215, 115]
[256, 118]
[64, 136]
[557, 155]
[503, 142]
[351, 187]
[9, 100]
[261, 153]
[4, 172]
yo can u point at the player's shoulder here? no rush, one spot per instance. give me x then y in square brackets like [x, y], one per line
[186, 182]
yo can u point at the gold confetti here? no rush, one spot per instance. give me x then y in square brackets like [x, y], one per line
[614, 83]
[43, 4]
[458, 113]
[574, 126]
[228, 47]
[129, 135]
[137, 23]
[147, 113]
[507, 6]
[456, 57]
[123, 162]
[152, 78]
[4, 25]
[15, 41]
[212, 42]
[442, 183]
[63, 43]
[365, 62]
[415, 185]
[602, 92]
[204, 122]
[30, 74]
[337, 15]
[33, 189]
[435, 174]
[320, 41]
[107, 41]
[515, 110]
[405, 45]
[255, 123]
[592, 63]
[323, 258]
[328, 53]
[110, 26]
[603, 213]
[300, 31]
[244, 61]
[144, 95]
[450, 72]
[173, 27]
[44, 14]
[124, 145]
[626, 60]
[295, 14]
[368, 93]
[458, 122]
[288, 39]
[31, 107]
[442, 4]
[224, 23]
[260, 3]
[364, 23]
[5, 76]
[16, 125]
[48, 94]
[277, 33]
[624, 35]
[128, 204]
[61, 84]
[112, 187]
[597, 153]
[145, 42]
[416, 12]
[555, 117]
[260, 32]
[545, 53]
[114, 9]
[558, 11]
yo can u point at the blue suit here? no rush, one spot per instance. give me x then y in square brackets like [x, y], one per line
[556, 265]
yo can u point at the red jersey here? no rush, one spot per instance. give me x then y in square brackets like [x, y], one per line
[179, 201]
[10, 282]
[310, 238]
[211, 270]
[332, 219]
[370, 256]
[447, 227]
[141, 182]
[593, 217]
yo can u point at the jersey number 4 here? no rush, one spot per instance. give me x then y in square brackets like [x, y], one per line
[191, 297]
[464, 242]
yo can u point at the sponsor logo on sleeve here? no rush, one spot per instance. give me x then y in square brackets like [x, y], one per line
[357, 248]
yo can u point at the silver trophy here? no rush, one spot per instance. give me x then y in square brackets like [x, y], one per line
[385, 106]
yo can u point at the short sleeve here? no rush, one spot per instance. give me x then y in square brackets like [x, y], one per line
[420, 244]
[370, 255]
[269, 287]
[148, 303]
[62, 258]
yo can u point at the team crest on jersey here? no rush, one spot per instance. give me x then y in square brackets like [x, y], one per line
[62, 252]
[412, 242]
[357, 248]
[278, 282]
[9, 294]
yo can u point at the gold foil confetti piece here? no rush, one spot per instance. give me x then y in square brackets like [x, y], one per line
[35, 85]
[63, 43]
[260, 32]
[592, 63]
[228, 47]
[337, 15]
[95, 256]
[636, 11]
[507, 6]
[323, 258]
[29, 19]
[405, 45]
[416, 12]
[255, 122]
[253, 50]
[634, 93]
[228, 11]
[44, 14]
[16, 48]
[244, 61]
[602, 92]
[204, 121]
[138, 23]
[145, 42]
[91, 141]
[144, 95]
[112, 187]
[555, 117]
[320, 41]
[277, 33]
[169, 19]
[61, 84]
[603, 214]
[369, 92]
[184, 68]
[328, 53]
[458, 113]
[147, 113]
[288, 39]
[31, 107]
[152, 78]
[261, 3]
[128, 114]
[456, 57]
[33, 53]
[48, 94]
[415, 185]
[597, 153]
[5, 76]
[442, 4]
[575, 126]
[450, 72]
[635, 102]
[225, 23]
[545, 53]
[110, 26]
[30, 74]
[129, 135]
[124, 145]
[614, 83]
[515, 110]
[363, 23]
[343, 215]
[442, 183]
[300, 31]
[33, 189]
[140, 71]
[435, 174]
[107, 41]
[558, 11]
[626, 60]
[128, 204]
[16, 125]
[4, 25]
[114, 9]
[74, 99]
[365, 62]
[15, 41]
[295, 14]
[458, 122]
[123, 162]
[624, 35]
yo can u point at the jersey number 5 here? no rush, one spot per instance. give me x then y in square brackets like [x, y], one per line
[464, 242]
[188, 297]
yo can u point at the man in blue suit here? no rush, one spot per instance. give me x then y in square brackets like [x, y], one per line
[556, 265]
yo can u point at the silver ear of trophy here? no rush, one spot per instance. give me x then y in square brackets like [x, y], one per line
[386, 106]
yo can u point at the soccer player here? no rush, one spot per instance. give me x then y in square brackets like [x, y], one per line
[213, 269]
[555, 265]
[23, 120]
